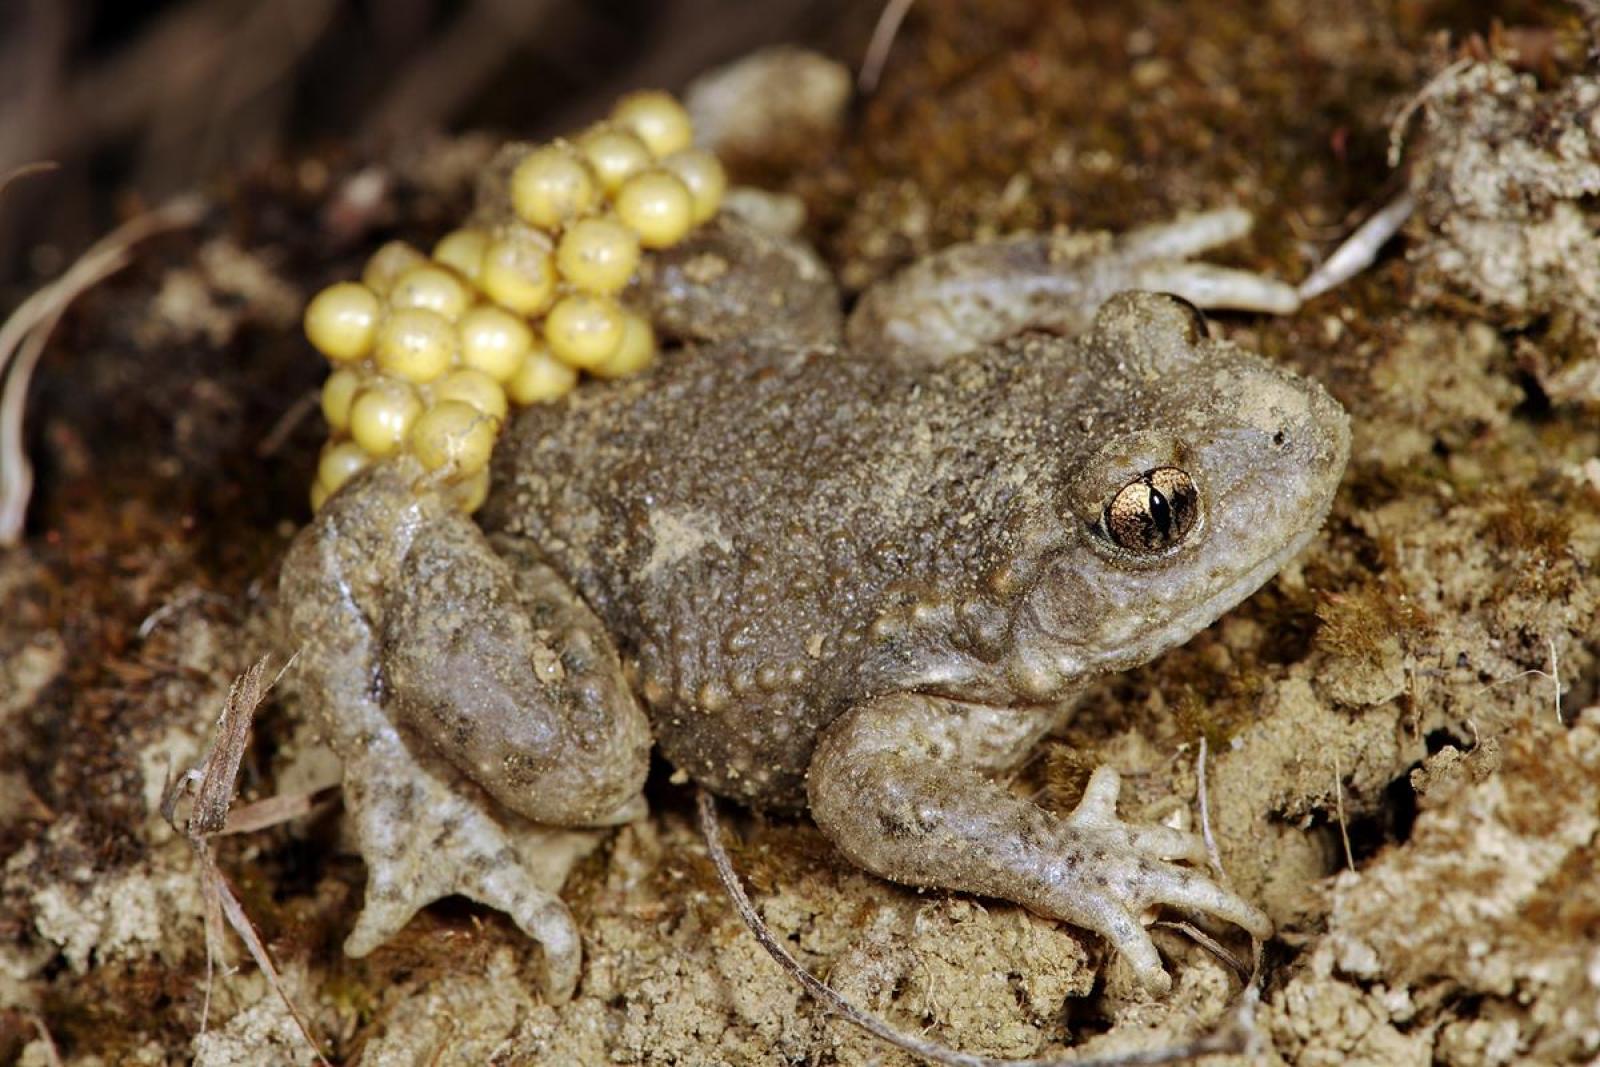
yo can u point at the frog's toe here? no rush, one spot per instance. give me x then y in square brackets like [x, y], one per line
[1182, 887]
[1140, 872]
[1127, 935]
[632, 810]
[1187, 235]
[1207, 285]
[1098, 805]
[1164, 842]
[391, 903]
[542, 916]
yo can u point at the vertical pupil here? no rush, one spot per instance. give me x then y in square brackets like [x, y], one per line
[1160, 512]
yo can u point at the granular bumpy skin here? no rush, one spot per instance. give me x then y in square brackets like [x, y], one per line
[774, 534]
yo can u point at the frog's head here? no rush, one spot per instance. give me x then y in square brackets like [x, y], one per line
[1207, 469]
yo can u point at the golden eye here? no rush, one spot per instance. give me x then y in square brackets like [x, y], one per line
[1154, 511]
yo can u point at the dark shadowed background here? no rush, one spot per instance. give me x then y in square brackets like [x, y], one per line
[137, 99]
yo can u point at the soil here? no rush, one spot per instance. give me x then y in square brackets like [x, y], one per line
[1403, 727]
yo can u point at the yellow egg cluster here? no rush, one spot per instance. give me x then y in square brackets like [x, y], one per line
[430, 353]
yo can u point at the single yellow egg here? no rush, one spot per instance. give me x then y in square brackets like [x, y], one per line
[462, 251]
[468, 494]
[476, 388]
[319, 496]
[382, 415]
[340, 461]
[598, 255]
[658, 206]
[658, 119]
[703, 174]
[342, 320]
[584, 330]
[456, 433]
[614, 153]
[337, 393]
[493, 341]
[416, 344]
[434, 288]
[551, 185]
[634, 353]
[541, 378]
[388, 263]
[519, 271]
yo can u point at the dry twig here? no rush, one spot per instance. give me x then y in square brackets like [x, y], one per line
[1338, 799]
[1434, 85]
[27, 170]
[458, 64]
[288, 423]
[1213, 856]
[181, 82]
[883, 35]
[25, 333]
[1554, 674]
[52, 1055]
[211, 785]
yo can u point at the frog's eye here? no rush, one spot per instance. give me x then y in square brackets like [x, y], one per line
[1154, 511]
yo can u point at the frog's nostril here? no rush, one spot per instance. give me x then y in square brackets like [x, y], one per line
[1280, 440]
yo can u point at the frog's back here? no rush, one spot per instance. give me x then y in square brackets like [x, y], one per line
[740, 518]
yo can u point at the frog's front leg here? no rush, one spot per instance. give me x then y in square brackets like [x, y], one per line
[971, 295]
[466, 702]
[898, 784]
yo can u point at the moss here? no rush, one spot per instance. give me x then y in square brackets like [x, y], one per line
[1215, 720]
[1359, 622]
[776, 854]
[1533, 526]
[1066, 771]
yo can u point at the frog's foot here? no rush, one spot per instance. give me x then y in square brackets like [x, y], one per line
[971, 295]
[894, 785]
[1133, 872]
[426, 833]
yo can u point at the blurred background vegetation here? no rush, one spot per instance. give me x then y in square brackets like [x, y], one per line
[134, 100]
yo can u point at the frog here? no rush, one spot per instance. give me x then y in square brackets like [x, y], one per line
[851, 567]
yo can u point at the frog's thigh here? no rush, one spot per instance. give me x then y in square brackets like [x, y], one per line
[512, 679]
[423, 827]
[898, 785]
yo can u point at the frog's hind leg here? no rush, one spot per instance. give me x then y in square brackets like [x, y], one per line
[898, 785]
[512, 678]
[971, 295]
[422, 821]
